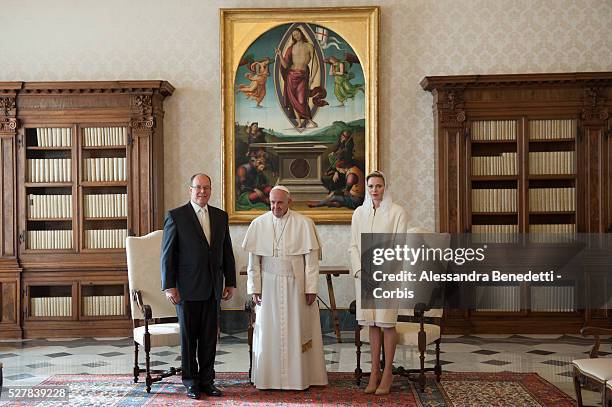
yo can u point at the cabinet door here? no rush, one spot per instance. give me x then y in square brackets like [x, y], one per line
[104, 186]
[46, 301]
[9, 307]
[596, 150]
[494, 182]
[551, 173]
[103, 300]
[47, 170]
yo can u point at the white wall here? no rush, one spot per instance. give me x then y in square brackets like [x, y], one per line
[178, 41]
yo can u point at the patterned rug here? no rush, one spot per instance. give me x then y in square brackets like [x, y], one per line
[456, 389]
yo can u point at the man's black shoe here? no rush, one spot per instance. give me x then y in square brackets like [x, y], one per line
[193, 392]
[211, 390]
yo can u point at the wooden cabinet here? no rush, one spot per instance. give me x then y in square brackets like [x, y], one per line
[82, 169]
[527, 153]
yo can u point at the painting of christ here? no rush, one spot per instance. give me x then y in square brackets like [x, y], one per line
[299, 93]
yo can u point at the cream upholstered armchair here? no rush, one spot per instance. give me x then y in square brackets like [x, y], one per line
[419, 328]
[149, 304]
[594, 373]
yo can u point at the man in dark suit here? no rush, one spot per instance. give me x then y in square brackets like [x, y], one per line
[196, 258]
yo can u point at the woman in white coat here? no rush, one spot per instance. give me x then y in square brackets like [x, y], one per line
[378, 214]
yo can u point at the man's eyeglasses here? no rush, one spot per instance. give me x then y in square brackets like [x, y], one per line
[201, 187]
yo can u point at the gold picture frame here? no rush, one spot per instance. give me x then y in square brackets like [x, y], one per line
[299, 101]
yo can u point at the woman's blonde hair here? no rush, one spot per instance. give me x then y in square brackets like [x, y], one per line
[376, 174]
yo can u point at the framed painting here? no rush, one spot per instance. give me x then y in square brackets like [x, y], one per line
[300, 108]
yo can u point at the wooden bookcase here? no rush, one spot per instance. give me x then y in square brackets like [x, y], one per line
[528, 153]
[82, 169]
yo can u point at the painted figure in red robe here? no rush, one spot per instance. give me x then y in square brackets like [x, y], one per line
[296, 72]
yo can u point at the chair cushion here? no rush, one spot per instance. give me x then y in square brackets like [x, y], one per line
[407, 333]
[599, 369]
[161, 334]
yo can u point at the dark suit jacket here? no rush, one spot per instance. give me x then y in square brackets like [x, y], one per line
[188, 262]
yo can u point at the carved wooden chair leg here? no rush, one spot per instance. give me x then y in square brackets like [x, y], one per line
[438, 368]
[358, 371]
[577, 388]
[250, 339]
[148, 379]
[422, 372]
[136, 367]
[250, 309]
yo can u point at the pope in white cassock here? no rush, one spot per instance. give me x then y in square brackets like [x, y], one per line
[283, 277]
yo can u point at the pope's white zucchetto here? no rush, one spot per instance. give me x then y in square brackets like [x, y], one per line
[281, 188]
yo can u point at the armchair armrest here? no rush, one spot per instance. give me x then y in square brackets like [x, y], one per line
[249, 305]
[420, 309]
[419, 315]
[595, 332]
[418, 319]
[147, 314]
[353, 308]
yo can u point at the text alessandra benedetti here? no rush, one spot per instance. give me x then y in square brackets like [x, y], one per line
[473, 276]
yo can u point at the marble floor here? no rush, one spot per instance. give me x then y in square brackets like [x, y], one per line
[29, 362]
